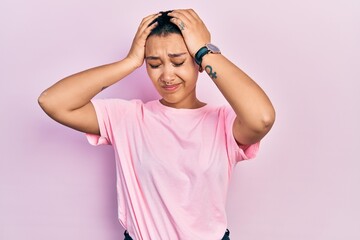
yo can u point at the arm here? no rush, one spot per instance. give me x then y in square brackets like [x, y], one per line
[254, 111]
[69, 100]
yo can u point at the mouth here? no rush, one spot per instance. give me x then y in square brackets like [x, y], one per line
[172, 87]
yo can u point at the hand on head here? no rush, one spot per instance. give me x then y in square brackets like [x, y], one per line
[188, 23]
[193, 29]
[137, 50]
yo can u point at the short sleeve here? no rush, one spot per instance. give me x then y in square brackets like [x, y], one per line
[109, 113]
[236, 152]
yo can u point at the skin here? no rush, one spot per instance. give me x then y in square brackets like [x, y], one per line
[254, 111]
[170, 66]
[172, 71]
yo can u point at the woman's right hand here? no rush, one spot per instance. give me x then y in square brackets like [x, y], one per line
[137, 50]
[69, 100]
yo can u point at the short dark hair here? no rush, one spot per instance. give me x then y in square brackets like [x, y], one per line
[165, 26]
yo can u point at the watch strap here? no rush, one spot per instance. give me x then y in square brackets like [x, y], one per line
[200, 54]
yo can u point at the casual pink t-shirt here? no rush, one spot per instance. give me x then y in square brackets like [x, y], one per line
[173, 166]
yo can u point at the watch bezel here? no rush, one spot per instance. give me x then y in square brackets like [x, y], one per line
[212, 48]
[208, 48]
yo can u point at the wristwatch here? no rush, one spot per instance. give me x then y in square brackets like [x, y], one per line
[208, 48]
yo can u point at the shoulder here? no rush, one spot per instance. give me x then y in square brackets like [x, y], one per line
[116, 108]
[115, 103]
[221, 110]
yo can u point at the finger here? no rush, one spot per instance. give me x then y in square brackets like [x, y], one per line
[178, 22]
[183, 14]
[182, 23]
[149, 20]
[193, 14]
[146, 22]
[150, 17]
[146, 26]
[180, 19]
[144, 33]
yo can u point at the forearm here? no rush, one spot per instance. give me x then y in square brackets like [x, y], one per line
[77, 90]
[250, 103]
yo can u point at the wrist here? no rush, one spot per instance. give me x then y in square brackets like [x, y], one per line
[208, 48]
[132, 62]
[200, 54]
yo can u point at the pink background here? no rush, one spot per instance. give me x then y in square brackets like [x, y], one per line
[305, 182]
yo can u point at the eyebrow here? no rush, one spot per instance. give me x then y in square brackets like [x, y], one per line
[171, 55]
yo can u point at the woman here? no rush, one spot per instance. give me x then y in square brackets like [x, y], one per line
[174, 156]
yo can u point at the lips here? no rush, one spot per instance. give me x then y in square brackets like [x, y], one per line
[172, 87]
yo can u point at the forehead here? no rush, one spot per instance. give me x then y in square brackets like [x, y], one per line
[164, 45]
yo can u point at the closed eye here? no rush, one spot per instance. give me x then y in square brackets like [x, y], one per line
[154, 66]
[178, 64]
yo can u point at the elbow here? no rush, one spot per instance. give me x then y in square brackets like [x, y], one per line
[263, 124]
[45, 103]
[267, 121]
[42, 100]
[253, 128]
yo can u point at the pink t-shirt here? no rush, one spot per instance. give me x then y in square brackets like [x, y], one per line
[173, 166]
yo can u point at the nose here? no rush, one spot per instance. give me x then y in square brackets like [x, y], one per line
[167, 76]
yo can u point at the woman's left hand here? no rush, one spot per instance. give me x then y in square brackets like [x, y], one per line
[193, 29]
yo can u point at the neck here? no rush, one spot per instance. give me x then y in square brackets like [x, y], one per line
[195, 103]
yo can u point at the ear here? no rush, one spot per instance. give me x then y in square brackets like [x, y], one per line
[200, 69]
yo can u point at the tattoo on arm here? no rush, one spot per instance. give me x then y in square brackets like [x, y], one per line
[103, 88]
[209, 70]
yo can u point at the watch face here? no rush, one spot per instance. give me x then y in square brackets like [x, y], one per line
[213, 48]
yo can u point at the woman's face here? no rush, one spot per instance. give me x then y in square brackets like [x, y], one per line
[172, 70]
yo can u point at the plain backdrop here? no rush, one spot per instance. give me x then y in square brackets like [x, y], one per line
[304, 183]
